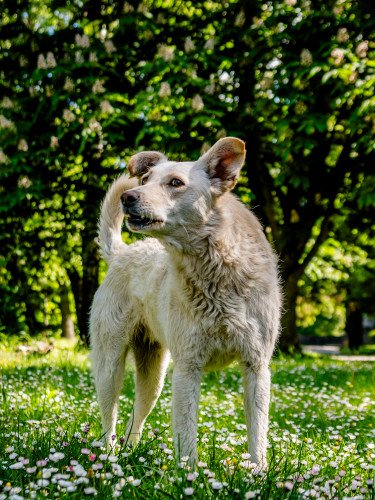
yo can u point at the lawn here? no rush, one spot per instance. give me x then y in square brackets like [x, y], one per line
[321, 439]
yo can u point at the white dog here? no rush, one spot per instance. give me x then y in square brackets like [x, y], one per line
[204, 288]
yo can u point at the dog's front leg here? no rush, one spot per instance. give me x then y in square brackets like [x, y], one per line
[185, 397]
[256, 401]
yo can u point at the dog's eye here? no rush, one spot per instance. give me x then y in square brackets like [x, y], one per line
[144, 180]
[176, 182]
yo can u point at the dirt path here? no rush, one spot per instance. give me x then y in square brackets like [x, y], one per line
[334, 352]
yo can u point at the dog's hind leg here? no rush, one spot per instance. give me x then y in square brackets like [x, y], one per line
[256, 402]
[151, 363]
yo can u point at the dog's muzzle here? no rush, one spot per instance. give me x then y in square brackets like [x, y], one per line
[130, 206]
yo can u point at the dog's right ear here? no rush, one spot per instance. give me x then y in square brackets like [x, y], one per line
[140, 163]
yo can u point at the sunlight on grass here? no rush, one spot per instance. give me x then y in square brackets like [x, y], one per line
[321, 440]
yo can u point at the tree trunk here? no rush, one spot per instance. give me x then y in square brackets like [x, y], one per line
[66, 316]
[289, 339]
[90, 279]
[353, 327]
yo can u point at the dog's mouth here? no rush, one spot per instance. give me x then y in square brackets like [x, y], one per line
[136, 221]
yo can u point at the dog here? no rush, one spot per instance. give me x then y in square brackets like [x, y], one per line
[203, 287]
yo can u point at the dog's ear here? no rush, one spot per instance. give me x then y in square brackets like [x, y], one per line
[140, 163]
[223, 163]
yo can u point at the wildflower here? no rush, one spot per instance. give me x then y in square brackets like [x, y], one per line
[55, 457]
[135, 482]
[41, 463]
[16, 465]
[216, 485]
[50, 60]
[92, 457]
[85, 451]
[188, 491]
[337, 56]
[165, 90]
[290, 3]
[250, 494]
[361, 49]
[90, 491]
[289, 485]
[93, 57]
[197, 103]
[306, 57]
[192, 476]
[210, 89]
[342, 35]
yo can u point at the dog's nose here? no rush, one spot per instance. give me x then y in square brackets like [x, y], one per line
[129, 198]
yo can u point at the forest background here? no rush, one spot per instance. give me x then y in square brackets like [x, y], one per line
[84, 84]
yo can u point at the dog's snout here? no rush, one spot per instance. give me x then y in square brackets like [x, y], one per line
[129, 198]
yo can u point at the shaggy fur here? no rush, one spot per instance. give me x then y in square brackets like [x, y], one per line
[204, 288]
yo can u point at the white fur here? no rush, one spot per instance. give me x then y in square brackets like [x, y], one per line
[204, 288]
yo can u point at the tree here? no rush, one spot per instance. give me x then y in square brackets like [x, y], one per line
[103, 79]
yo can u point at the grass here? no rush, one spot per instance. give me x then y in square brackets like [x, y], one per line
[321, 439]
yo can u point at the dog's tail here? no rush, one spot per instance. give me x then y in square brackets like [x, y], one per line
[111, 217]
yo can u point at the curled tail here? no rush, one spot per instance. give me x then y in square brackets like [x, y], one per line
[111, 217]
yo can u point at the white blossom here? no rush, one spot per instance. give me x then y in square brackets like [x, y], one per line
[50, 60]
[41, 64]
[189, 45]
[79, 57]
[6, 103]
[127, 8]
[54, 142]
[3, 157]
[338, 55]
[22, 145]
[109, 46]
[166, 52]
[106, 107]
[210, 44]
[165, 90]
[68, 115]
[5, 123]
[98, 87]
[362, 49]
[93, 57]
[82, 41]
[197, 103]
[306, 57]
[68, 85]
[342, 35]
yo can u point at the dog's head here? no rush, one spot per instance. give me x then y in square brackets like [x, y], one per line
[174, 196]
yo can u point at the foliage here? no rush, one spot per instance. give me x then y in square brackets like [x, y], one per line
[320, 439]
[87, 83]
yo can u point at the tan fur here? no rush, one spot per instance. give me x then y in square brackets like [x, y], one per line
[204, 288]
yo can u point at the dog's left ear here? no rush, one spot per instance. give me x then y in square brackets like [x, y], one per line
[140, 163]
[223, 163]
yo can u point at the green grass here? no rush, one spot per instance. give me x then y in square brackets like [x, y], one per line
[321, 439]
